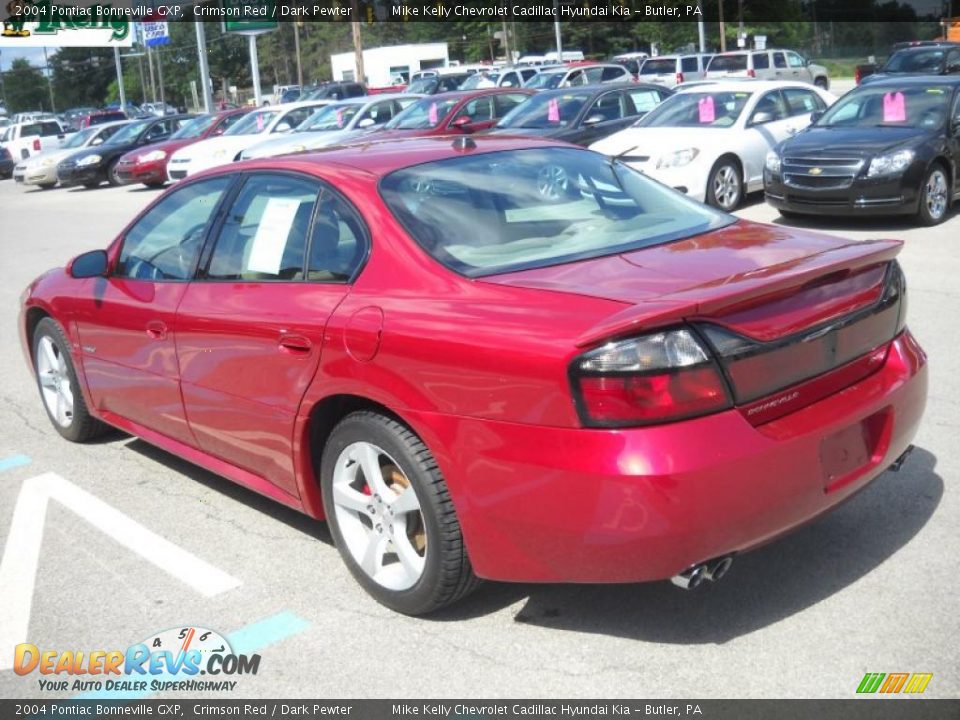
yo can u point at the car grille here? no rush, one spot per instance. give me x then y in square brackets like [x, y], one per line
[821, 173]
[177, 174]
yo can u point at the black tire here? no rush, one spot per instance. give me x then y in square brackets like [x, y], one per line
[155, 185]
[447, 574]
[92, 185]
[112, 177]
[724, 164]
[46, 186]
[82, 426]
[822, 83]
[931, 213]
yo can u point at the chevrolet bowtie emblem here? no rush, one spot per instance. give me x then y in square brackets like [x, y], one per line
[815, 171]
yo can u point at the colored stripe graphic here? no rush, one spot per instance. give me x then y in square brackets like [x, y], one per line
[894, 683]
[244, 641]
[14, 461]
[918, 682]
[870, 682]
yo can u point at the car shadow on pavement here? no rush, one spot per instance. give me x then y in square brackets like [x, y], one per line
[763, 587]
[830, 224]
[298, 521]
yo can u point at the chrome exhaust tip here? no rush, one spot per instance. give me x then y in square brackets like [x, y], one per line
[898, 463]
[691, 577]
[716, 569]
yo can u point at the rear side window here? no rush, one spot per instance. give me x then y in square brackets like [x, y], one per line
[689, 65]
[802, 102]
[338, 241]
[30, 130]
[779, 60]
[612, 73]
[729, 63]
[761, 61]
[264, 236]
[659, 66]
[50, 128]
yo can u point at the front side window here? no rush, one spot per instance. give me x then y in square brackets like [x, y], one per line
[802, 102]
[478, 110]
[379, 113]
[555, 110]
[770, 108]
[519, 209]
[761, 61]
[165, 242]
[779, 61]
[608, 106]
[48, 129]
[795, 61]
[644, 100]
[264, 236]
[506, 102]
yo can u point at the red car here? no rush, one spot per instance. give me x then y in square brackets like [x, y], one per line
[489, 358]
[457, 112]
[148, 165]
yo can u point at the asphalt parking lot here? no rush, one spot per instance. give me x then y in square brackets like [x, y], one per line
[139, 541]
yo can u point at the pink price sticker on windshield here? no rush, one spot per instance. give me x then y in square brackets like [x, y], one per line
[894, 107]
[432, 114]
[553, 111]
[706, 109]
[339, 118]
[259, 122]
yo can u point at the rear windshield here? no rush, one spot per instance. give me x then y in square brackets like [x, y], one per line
[915, 61]
[728, 63]
[663, 66]
[521, 209]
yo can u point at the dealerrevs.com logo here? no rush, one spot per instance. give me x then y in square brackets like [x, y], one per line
[894, 683]
[172, 660]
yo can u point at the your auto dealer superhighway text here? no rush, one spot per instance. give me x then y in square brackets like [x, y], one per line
[461, 710]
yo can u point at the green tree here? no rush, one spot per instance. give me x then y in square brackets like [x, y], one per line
[26, 87]
[81, 76]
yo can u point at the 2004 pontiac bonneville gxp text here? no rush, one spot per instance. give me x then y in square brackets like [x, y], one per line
[489, 358]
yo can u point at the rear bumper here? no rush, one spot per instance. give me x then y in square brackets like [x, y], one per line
[574, 505]
[35, 176]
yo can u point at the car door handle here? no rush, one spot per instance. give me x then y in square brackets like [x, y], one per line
[157, 330]
[294, 344]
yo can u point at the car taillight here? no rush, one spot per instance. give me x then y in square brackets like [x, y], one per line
[656, 378]
[857, 76]
[679, 78]
[36, 144]
[751, 73]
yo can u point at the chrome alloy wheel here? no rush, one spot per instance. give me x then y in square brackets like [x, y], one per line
[54, 380]
[553, 182]
[726, 187]
[935, 194]
[379, 516]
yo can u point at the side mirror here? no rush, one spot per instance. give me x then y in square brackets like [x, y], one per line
[462, 123]
[365, 123]
[218, 131]
[761, 117]
[593, 120]
[96, 141]
[507, 83]
[90, 264]
[283, 127]
[815, 115]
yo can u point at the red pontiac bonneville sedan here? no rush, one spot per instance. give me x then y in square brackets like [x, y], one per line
[495, 358]
[148, 165]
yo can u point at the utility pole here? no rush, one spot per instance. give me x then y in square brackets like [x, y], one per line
[255, 69]
[3, 90]
[357, 44]
[703, 36]
[296, 47]
[506, 42]
[123, 95]
[723, 32]
[153, 84]
[160, 80]
[46, 66]
[204, 68]
[556, 30]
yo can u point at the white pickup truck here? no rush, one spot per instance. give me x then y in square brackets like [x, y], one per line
[29, 138]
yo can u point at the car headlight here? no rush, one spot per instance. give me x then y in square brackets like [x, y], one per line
[152, 156]
[773, 161]
[89, 160]
[678, 158]
[891, 163]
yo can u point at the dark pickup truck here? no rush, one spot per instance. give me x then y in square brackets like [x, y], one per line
[919, 57]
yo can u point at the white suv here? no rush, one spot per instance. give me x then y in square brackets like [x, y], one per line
[24, 139]
[768, 65]
[671, 70]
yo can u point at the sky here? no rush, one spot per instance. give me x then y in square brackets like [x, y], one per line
[34, 55]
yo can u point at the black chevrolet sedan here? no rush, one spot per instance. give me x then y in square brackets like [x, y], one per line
[92, 166]
[888, 148]
[582, 115]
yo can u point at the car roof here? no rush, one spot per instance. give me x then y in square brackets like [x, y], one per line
[752, 84]
[887, 80]
[380, 157]
[476, 92]
[926, 48]
[597, 88]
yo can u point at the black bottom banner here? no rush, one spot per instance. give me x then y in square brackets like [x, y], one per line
[867, 709]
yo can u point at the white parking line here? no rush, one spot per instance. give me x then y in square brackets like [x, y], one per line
[21, 555]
